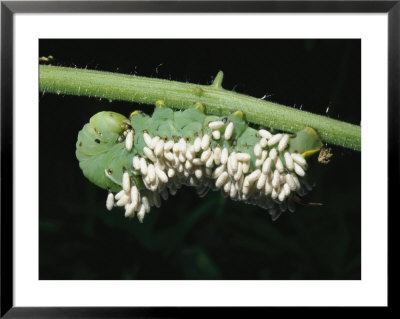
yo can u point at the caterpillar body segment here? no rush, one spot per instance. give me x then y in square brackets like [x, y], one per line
[158, 154]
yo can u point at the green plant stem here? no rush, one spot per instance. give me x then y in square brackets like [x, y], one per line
[218, 101]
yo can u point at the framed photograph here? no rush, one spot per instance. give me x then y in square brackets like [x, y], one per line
[158, 156]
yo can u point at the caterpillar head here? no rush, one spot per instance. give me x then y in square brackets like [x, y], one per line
[109, 123]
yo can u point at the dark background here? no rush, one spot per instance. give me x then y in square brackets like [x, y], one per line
[214, 237]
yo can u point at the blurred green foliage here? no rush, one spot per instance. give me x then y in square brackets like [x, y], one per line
[213, 237]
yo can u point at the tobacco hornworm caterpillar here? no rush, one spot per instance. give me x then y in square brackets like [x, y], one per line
[144, 159]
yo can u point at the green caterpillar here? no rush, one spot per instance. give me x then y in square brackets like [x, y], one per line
[144, 159]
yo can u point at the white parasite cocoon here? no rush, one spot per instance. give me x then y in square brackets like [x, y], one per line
[134, 195]
[261, 181]
[182, 146]
[283, 143]
[281, 195]
[147, 139]
[143, 166]
[136, 163]
[263, 142]
[286, 188]
[159, 149]
[279, 165]
[274, 194]
[205, 155]
[261, 159]
[161, 175]
[227, 187]
[273, 154]
[299, 159]
[188, 165]
[267, 165]
[217, 156]
[254, 176]
[243, 157]
[288, 161]
[154, 142]
[119, 195]
[126, 182]
[268, 188]
[218, 171]
[210, 161]
[239, 172]
[216, 135]
[168, 146]
[221, 179]
[129, 141]
[296, 180]
[215, 125]
[197, 162]
[299, 170]
[265, 134]
[182, 158]
[259, 162]
[123, 201]
[146, 204]
[224, 156]
[290, 181]
[264, 155]
[197, 144]
[246, 167]
[169, 156]
[171, 172]
[151, 174]
[198, 173]
[189, 155]
[150, 155]
[228, 131]
[233, 192]
[130, 210]
[110, 201]
[141, 213]
[233, 162]
[245, 189]
[205, 142]
[274, 139]
[175, 148]
[276, 179]
[257, 150]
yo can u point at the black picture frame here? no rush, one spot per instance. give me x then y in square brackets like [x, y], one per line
[9, 8]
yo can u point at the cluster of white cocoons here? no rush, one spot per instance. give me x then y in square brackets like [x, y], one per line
[167, 165]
